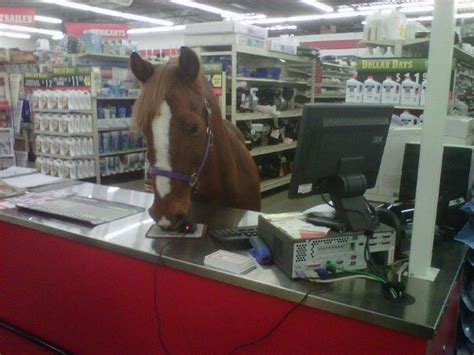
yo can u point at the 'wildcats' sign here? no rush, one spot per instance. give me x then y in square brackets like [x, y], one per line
[17, 15]
[107, 30]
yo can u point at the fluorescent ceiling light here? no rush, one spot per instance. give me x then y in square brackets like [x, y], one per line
[15, 35]
[345, 9]
[106, 12]
[48, 19]
[207, 8]
[58, 37]
[378, 7]
[410, 10]
[282, 27]
[30, 30]
[155, 29]
[303, 18]
[319, 5]
[243, 17]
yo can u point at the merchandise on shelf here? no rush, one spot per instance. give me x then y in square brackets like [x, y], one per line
[66, 169]
[372, 91]
[354, 90]
[121, 164]
[61, 100]
[390, 91]
[46, 122]
[410, 94]
[118, 141]
[64, 146]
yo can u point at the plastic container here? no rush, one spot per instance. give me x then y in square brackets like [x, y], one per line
[390, 91]
[410, 93]
[408, 119]
[372, 91]
[423, 93]
[354, 90]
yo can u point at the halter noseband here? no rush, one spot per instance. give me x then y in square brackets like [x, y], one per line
[193, 179]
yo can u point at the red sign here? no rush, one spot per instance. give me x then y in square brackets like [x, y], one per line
[107, 30]
[17, 15]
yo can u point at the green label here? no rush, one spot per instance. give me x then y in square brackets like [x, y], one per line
[392, 65]
[212, 68]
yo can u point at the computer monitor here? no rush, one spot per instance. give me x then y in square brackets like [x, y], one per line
[457, 178]
[339, 151]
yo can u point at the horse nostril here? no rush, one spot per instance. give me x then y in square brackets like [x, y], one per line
[179, 219]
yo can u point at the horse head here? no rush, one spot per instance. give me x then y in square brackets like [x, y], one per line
[173, 112]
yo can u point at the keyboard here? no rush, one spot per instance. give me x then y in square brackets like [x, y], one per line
[234, 237]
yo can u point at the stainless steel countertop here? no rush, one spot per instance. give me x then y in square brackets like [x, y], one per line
[358, 298]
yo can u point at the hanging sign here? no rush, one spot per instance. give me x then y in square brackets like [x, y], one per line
[60, 78]
[397, 68]
[106, 30]
[17, 15]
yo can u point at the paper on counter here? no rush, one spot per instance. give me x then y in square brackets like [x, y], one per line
[33, 197]
[299, 229]
[15, 170]
[31, 180]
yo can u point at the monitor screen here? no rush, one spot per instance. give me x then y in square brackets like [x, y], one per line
[338, 140]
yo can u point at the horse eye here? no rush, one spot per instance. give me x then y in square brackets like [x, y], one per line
[192, 128]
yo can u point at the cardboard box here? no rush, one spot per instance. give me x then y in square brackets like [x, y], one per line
[459, 127]
[207, 28]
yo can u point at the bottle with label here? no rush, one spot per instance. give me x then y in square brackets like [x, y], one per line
[423, 93]
[408, 119]
[354, 90]
[390, 91]
[410, 94]
[372, 91]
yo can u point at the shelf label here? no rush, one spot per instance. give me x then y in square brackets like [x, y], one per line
[62, 78]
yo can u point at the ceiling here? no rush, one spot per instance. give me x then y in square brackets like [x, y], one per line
[181, 15]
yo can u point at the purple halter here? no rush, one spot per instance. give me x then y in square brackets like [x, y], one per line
[193, 179]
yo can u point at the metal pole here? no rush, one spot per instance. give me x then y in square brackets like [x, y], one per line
[427, 188]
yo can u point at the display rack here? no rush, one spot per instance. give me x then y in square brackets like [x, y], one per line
[112, 162]
[7, 136]
[297, 72]
[331, 81]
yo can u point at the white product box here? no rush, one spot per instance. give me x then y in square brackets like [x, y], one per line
[225, 39]
[229, 261]
[277, 46]
[460, 127]
[207, 28]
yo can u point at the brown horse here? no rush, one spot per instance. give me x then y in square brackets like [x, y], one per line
[194, 154]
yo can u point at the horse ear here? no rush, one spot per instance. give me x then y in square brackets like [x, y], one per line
[142, 69]
[189, 65]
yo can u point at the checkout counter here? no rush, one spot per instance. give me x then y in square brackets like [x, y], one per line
[108, 289]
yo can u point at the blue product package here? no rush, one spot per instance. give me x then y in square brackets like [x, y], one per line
[101, 142]
[121, 112]
[106, 142]
[115, 141]
[466, 234]
[125, 140]
[102, 166]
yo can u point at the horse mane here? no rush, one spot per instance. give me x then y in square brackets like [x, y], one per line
[153, 93]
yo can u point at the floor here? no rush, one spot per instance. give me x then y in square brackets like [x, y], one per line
[275, 201]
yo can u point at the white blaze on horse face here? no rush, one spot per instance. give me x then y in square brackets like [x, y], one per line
[163, 222]
[160, 127]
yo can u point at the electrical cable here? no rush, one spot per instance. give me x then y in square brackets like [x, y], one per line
[33, 338]
[335, 279]
[157, 314]
[272, 329]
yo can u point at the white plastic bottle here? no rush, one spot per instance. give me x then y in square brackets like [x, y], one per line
[408, 119]
[372, 91]
[354, 90]
[410, 94]
[423, 93]
[390, 91]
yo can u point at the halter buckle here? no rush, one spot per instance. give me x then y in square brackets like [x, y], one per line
[194, 182]
[210, 135]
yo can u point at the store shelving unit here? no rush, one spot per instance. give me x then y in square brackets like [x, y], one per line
[296, 72]
[7, 132]
[331, 71]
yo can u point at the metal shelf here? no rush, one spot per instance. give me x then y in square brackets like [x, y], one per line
[335, 65]
[272, 81]
[115, 97]
[212, 54]
[401, 107]
[274, 183]
[122, 172]
[268, 149]
[330, 86]
[342, 96]
[275, 55]
[102, 56]
[63, 157]
[7, 156]
[5, 129]
[62, 111]
[64, 134]
[110, 129]
[121, 152]
[265, 116]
